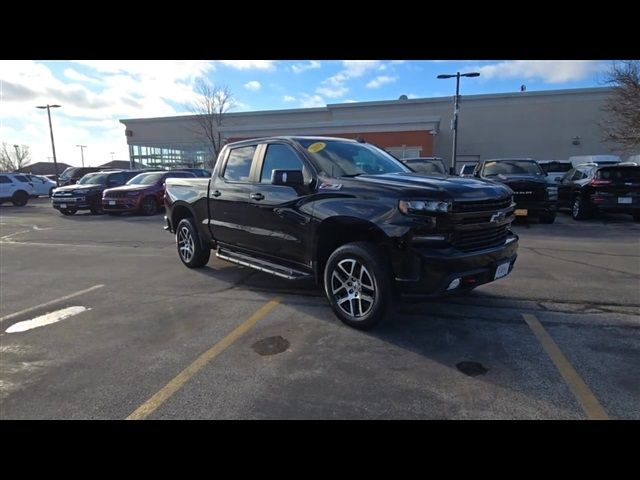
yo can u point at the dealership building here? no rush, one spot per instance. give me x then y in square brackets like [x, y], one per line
[545, 125]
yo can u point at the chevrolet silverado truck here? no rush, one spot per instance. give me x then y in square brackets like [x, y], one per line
[347, 215]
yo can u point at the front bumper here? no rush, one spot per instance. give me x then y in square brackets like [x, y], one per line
[77, 203]
[534, 208]
[126, 204]
[435, 269]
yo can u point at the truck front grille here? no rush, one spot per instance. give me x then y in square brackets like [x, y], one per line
[471, 240]
[481, 206]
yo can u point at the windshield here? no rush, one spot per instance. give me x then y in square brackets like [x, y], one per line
[94, 178]
[68, 173]
[337, 158]
[620, 173]
[426, 166]
[512, 167]
[556, 167]
[146, 178]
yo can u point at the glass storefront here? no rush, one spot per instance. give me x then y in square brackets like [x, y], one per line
[175, 155]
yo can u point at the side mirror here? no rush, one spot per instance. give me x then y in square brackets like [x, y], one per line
[289, 178]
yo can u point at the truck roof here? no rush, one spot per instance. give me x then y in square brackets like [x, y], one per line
[291, 138]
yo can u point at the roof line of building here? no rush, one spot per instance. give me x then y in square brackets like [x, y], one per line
[414, 101]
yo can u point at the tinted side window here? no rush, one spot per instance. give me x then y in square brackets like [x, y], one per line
[238, 165]
[4, 179]
[180, 175]
[22, 178]
[129, 175]
[279, 157]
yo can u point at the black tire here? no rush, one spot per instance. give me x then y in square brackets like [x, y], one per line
[636, 217]
[149, 206]
[547, 218]
[579, 209]
[114, 214]
[68, 211]
[51, 192]
[96, 209]
[370, 298]
[20, 198]
[190, 251]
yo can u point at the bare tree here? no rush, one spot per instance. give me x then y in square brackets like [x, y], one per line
[622, 125]
[14, 157]
[210, 108]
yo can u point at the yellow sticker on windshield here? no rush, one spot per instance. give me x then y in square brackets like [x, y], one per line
[489, 164]
[316, 147]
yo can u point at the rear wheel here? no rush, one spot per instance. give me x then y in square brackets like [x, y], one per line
[579, 209]
[20, 198]
[51, 192]
[149, 206]
[357, 282]
[191, 252]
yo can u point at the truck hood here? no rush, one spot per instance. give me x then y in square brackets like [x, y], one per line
[75, 186]
[437, 186]
[521, 179]
[129, 188]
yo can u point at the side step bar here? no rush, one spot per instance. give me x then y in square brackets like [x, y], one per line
[262, 265]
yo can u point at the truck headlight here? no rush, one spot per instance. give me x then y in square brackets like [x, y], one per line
[421, 206]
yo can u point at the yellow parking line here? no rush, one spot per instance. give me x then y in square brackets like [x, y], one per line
[148, 407]
[580, 390]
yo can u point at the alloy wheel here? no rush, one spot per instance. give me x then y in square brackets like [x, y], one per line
[353, 288]
[185, 244]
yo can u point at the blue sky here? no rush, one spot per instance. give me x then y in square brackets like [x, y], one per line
[95, 94]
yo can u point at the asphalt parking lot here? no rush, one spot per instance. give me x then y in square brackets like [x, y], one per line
[559, 338]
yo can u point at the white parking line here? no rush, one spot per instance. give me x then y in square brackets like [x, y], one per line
[46, 319]
[51, 302]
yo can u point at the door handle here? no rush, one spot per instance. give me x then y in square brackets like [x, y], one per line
[257, 196]
[216, 193]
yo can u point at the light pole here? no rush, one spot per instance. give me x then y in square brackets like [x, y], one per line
[112, 155]
[53, 146]
[82, 147]
[455, 114]
[17, 155]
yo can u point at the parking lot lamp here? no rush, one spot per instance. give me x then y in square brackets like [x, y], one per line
[53, 146]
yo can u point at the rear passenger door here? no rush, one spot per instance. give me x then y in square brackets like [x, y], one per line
[278, 227]
[6, 187]
[229, 194]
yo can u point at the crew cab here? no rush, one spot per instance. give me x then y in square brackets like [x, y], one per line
[347, 215]
[87, 193]
[590, 188]
[535, 195]
[143, 194]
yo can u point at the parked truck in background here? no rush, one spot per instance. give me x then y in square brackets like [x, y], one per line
[348, 215]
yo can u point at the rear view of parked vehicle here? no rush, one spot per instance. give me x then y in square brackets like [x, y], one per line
[16, 188]
[143, 194]
[590, 189]
[555, 169]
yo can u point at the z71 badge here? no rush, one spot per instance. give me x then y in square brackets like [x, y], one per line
[330, 186]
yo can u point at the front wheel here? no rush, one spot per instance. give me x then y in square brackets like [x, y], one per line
[149, 206]
[191, 252]
[68, 211]
[636, 217]
[547, 218]
[20, 198]
[579, 209]
[357, 282]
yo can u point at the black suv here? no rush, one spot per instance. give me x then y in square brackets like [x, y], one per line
[533, 193]
[591, 188]
[71, 175]
[87, 193]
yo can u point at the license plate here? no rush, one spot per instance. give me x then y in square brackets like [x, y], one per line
[63, 205]
[502, 270]
[624, 199]
[112, 202]
[521, 212]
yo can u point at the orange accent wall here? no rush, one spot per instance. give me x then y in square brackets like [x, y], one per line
[420, 138]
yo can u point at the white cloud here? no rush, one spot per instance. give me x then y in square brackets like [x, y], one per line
[381, 80]
[302, 67]
[311, 101]
[550, 71]
[250, 64]
[352, 69]
[288, 98]
[332, 92]
[253, 85]
[350, 101]
[76, 75]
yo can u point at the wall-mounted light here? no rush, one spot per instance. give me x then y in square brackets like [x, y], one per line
[576, 140]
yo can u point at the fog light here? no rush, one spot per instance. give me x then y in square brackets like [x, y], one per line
[455, 283]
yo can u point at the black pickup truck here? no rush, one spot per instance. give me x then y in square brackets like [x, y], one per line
[348, 215]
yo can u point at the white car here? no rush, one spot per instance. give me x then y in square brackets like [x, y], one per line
[16, 188]
[42, 185]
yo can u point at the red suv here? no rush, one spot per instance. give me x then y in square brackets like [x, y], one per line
[144, 193]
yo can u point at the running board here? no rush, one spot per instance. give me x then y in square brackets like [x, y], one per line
[262, 265]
